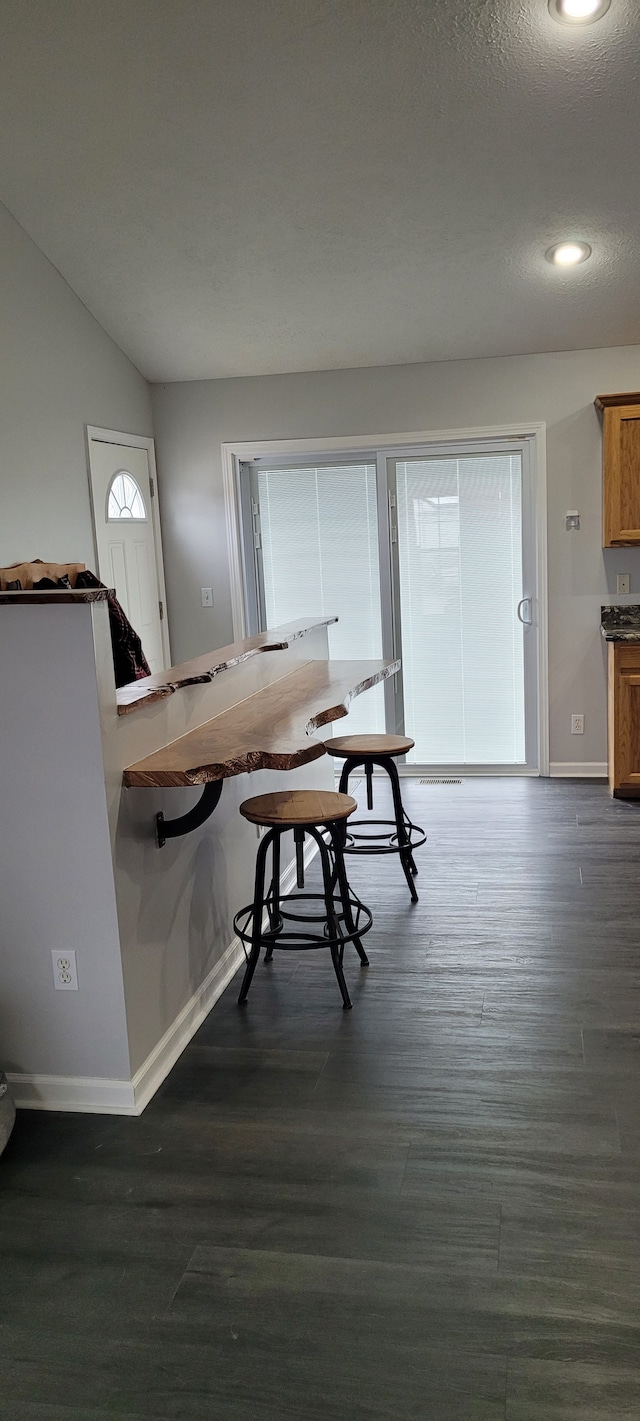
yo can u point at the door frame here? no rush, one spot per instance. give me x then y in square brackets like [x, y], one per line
[534, 432]
[136, 441]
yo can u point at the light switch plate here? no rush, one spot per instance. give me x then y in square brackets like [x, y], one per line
[207, 596]
[624, 584]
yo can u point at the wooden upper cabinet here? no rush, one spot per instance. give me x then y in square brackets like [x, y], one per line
[620, 468]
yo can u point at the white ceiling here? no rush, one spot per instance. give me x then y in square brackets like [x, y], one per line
[239, 187]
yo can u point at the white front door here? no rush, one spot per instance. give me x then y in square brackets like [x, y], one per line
[129, 556]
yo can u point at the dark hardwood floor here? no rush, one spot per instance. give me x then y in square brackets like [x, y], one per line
[424, 1209]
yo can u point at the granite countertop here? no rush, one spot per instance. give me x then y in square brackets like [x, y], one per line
[620, 623]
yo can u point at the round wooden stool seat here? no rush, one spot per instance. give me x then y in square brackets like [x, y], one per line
[364, 745]
[290, 809]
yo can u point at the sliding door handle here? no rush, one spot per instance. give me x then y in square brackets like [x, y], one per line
[528, 603]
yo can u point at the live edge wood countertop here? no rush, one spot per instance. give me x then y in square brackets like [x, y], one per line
[204, 668]
[269, 730]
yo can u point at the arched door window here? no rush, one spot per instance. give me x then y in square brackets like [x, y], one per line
[124, 499]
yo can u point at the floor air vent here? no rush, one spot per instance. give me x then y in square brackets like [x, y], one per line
[440, 782]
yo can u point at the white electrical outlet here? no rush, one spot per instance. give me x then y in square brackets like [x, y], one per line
[206, 594]
[577, 725]
[624, 584]
[65, 975]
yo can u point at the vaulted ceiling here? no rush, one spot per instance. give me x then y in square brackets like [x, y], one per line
[239, 187]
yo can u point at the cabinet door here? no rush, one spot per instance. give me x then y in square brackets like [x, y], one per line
[626, 721]
[621, 467]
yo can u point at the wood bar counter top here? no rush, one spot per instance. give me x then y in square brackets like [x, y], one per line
[203, 668]
[269, 730]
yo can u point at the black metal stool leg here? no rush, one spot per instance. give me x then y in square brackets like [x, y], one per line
[406, 856]
[368, 770]
[338, 832]
[350, 764]
[337, 951]
[256, 926]
[273, 904]
[298, 839]
[407, 826]
[343, 787]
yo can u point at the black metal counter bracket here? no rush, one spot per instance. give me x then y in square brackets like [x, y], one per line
[173, 828]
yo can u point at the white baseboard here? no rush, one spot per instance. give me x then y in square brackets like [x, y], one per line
[97, 1096]
[153, 1071]
[112, 1097]
[101, 1096]
[578, 770]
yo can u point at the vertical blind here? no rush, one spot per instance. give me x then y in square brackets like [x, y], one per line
[460, 556]
[319, 533]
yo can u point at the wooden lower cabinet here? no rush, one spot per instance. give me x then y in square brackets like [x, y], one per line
[624, 719]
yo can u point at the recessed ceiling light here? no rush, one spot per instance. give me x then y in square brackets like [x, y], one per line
[568, 253]
[578, 12]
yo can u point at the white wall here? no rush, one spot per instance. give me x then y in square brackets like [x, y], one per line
[56, 878]
[192, 421]
[58, 371]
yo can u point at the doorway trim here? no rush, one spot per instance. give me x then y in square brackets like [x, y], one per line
[136, 441]
[235, 452]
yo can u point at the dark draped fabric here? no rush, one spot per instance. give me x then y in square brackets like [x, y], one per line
[129, 661]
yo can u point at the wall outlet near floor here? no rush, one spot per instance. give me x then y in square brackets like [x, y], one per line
[65, 975]
[577, 725]
[624, 584]
[206, 594]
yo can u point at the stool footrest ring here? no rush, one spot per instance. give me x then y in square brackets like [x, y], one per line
[361, 842]
[291, 940]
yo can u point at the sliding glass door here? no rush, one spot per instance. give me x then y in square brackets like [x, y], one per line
[428, 555]
[460, 576]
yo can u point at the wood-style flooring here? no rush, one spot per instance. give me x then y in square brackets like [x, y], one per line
[425, 1209]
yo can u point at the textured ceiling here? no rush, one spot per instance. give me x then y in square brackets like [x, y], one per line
[240, 187]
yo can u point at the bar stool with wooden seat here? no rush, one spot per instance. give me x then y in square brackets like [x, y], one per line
[338, 917]
[399, 835]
